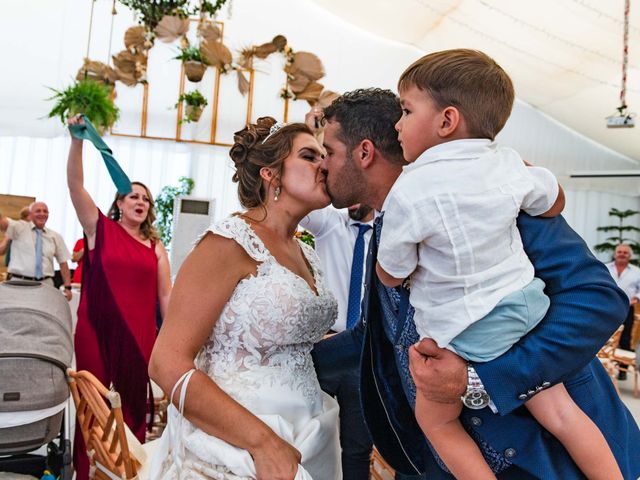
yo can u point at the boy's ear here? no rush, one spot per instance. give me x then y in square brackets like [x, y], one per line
[365, 152]
[450, 120]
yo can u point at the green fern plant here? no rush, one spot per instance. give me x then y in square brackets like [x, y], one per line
[164, 206]
[191, 53]
[91, 98]
[620, 230]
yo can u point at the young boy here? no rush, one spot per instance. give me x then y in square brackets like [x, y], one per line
[450, 223]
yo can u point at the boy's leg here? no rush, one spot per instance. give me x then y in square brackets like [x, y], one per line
[461, 455]
[556, 411]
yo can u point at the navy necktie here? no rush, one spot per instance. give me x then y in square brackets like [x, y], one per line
[355, 285]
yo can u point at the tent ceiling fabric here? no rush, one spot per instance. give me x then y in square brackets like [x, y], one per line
[564, 56]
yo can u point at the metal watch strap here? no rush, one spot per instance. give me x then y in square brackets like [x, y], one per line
[473, 380]
[476, 397]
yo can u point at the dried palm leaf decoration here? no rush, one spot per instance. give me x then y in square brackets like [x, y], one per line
[209, 31]
[171, 27]
[216, 54]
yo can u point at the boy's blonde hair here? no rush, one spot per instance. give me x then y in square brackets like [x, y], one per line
[466, 79]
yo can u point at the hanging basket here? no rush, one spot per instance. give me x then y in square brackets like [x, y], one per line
[194, 70]
[193, 112]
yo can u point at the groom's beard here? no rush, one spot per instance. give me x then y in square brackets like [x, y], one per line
[359, 213]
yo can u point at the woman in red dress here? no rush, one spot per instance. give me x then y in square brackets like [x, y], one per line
[125, 272]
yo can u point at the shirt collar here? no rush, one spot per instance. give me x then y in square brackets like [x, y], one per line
[466, 148]
[358, 222]
[33, 227]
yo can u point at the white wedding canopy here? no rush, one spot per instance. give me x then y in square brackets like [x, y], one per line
[564, 57]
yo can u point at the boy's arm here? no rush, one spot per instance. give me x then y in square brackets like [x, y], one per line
[403, 229]
[387, 280]
[557, 208]
[546, 198]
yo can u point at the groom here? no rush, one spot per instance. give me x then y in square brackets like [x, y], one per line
[363, 159]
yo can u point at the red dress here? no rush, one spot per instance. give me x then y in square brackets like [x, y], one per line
[77, 273]
[116, 322]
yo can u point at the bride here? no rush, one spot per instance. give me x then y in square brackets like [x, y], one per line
[248, 304]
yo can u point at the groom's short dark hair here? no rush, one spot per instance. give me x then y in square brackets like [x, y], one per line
[368, 113]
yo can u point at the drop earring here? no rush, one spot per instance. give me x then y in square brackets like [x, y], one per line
[277, 194]
[119, 214]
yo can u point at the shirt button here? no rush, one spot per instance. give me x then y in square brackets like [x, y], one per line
[476, 421]
[522, 396]
[510, 452]
[531, 393]
[546, 384]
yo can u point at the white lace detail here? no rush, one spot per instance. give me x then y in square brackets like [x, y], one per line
[269, 325]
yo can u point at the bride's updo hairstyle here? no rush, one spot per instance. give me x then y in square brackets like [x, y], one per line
[251, 152]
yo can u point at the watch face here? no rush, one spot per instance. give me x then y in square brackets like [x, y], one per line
[476, 399]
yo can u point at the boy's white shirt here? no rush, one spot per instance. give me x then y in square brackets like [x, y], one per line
[450, 220]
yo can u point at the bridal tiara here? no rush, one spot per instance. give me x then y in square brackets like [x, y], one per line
[274, 128]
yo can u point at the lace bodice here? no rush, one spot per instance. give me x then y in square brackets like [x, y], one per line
[272, 319]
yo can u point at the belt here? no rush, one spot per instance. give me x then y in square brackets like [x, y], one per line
[33, 279]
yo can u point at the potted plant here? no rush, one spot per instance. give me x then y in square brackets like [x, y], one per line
[195, 103]
[88, 97]
[620, 231]
[194, 64]
[164, 207]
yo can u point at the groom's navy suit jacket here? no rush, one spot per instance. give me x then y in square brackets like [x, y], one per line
[586, 307]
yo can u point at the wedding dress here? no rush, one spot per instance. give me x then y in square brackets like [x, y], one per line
[259, 354]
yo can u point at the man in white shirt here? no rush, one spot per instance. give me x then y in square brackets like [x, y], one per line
[33, 247]
[342, 238]
[627, 277]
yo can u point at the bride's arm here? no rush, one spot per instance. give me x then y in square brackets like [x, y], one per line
[203, 286]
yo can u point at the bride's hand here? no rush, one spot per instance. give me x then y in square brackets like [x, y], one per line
[276, 460]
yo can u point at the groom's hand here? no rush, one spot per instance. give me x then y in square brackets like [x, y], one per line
[439, 374]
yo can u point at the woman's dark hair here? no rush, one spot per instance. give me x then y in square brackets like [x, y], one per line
[251, 152]
[147, 229]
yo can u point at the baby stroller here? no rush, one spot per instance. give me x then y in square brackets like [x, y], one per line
[35, 351]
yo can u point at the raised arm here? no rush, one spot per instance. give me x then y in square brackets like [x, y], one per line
[84, 205]
[4, 223]
[197, 301]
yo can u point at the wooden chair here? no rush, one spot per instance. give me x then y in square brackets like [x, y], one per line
[99, 413]
[607, 354]
[159, 421]
[379, 469]
[635, 329]
[626, 361]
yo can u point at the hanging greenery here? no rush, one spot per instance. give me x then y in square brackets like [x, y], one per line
[620, 231]
[88, 97]
[195, 103]
[150, 12]
[164, 206]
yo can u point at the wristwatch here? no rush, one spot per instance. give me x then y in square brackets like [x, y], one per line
[476, 397]
[67, 287]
